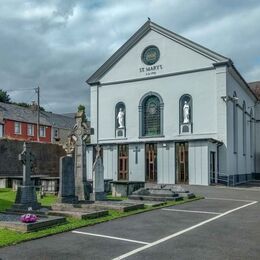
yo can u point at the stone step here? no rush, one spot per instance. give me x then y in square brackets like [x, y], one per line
[154, 198]
[150, 203]
[79, 214]
[188, 195]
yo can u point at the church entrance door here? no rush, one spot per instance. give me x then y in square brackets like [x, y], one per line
[212, 168]
[151, 162]
[182, 166]
[123, 162]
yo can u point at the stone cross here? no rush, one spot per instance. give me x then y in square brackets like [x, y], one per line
[136, 150]
[80, 134]
[28, 161]
[69, 146]
[26, 197]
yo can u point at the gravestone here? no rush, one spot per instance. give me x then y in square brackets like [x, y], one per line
[67, 184]
[98, 177]
[26, 195]
[80, 134]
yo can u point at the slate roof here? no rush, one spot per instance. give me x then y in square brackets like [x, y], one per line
[60, 121]
[255, 87]
[28, 115]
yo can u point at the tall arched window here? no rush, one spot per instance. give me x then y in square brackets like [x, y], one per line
[244, 128]
[185, 113]
[151, 115]
[251, 132]
[235, 122]
[120, 119]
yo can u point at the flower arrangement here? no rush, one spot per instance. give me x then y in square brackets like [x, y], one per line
[28, 218]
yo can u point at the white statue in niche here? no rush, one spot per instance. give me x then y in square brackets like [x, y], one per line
[186, 113]
[120, 118]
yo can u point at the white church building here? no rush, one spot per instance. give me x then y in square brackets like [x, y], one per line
[167, 110]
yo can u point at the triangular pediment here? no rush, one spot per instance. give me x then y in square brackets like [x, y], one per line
[176, 54]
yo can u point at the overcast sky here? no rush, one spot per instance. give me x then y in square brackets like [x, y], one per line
[58, 44]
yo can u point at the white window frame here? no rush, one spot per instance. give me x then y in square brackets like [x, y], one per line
[18, 125]
[56, 130]
[1, 130]
[30, 129]
[44, 131]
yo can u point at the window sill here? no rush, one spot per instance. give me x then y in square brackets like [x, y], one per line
[151, 136]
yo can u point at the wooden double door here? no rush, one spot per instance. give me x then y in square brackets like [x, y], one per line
[123, 162]
[182, 166]
[151, 162]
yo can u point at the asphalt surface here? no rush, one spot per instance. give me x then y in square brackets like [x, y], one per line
[225, 225]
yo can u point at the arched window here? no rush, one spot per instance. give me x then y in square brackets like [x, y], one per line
[151, 115]
[120, 119]
[251, 132]
[244, 128]
[185, 113]
[235, 122]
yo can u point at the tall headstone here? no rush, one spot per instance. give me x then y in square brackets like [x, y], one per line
[80, 134]
[98, 177]
[67, 184]
[26, 195]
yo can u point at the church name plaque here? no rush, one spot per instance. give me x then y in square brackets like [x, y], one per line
[151, 70]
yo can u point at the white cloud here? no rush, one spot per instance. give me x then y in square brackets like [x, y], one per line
[60, 43]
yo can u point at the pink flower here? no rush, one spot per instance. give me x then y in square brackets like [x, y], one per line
[28, 218]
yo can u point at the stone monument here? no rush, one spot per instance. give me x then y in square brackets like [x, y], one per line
[26, 195]
[67, 181]
[80, 133]
[98, 177]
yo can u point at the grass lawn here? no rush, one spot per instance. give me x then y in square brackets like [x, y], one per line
[9, 237]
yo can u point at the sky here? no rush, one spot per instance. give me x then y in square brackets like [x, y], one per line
[58, 44]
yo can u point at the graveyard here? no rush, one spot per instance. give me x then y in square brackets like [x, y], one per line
[29, 213]
[9, 237]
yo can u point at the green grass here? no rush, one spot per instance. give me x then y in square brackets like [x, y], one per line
[7, 198]
[9, 237]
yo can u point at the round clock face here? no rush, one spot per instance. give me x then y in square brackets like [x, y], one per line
[150, 55]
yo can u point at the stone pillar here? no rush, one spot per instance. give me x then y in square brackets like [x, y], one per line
[67, 184]
[98, 178]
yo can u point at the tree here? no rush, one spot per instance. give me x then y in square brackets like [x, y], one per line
[4, 97]
[82, 108]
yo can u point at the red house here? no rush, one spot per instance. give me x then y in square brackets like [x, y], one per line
[20, 123]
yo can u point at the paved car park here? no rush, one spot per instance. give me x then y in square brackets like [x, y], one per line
[224, 225]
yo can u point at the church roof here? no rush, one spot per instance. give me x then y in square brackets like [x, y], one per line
[255, 87]
[148, 26]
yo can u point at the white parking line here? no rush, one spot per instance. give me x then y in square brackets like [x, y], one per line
[228, 199]
[116, 238]
[180, 232]
[193, 211]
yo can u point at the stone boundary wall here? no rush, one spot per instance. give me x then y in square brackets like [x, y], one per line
[47, 158]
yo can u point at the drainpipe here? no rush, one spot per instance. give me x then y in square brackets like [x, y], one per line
[218, 145]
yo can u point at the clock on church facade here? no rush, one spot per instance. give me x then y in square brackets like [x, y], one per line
[150, 55]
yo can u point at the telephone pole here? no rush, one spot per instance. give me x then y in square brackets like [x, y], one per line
[37, 90]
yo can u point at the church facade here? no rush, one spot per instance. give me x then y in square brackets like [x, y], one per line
[169, 111]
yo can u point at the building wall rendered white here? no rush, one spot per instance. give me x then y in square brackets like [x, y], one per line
[239, 163]
[110, 162]
[136, 170]
[166, 163]
[174, 57]
[198, 163]
[89, 162]
[201, 86]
